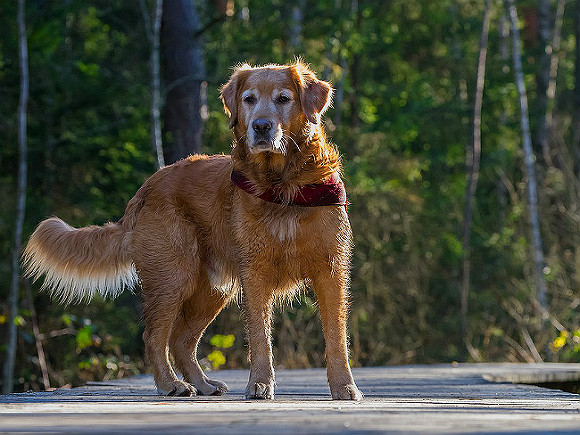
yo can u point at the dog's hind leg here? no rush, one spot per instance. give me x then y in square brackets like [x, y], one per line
[160, 313]
[166, 283]
[196, 314]
[166, 254]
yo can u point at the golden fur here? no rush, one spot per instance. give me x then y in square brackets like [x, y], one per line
[192, 239]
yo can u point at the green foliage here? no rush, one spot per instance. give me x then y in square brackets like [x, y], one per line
[217, 357]
[223, 341]
[403, 72]
[567, 345]
[84, 337]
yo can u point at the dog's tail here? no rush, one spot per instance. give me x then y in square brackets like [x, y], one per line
[77, 263]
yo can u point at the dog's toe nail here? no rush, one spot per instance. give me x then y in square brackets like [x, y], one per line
[347, 392]
[260, 391]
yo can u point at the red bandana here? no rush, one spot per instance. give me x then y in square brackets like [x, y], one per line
[330, 192]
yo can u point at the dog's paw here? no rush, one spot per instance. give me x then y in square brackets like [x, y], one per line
[259, 390]
[181, 389]
[346, 392]
[221, 388]
[212, 387]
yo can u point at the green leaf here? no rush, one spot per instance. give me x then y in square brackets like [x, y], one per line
[453, 244]
[67, 320]
[223, 341]
[89, 69]
[83, 337]
[216, 358]
[19, 321]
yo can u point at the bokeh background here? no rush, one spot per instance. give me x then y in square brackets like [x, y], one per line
[405, 78]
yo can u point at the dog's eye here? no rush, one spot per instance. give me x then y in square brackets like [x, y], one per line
[249, 99]
[283, 99]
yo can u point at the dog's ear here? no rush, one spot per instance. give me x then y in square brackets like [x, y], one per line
[228, 96]
[229, 92]
[315, 95]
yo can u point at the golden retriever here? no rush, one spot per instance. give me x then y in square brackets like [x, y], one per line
[266, 220]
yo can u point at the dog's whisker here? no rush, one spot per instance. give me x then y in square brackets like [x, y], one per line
[283, 144]
[289, 132]
[287, 136]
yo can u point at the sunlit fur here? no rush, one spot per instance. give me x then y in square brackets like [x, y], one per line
[87, 262]
[192, 239]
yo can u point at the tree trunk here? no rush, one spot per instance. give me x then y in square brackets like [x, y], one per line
[37, 338]
[504, 33]
[296, 23]
[529, 160]
[156, 132]
[576, 116]
[153, 30]
[354, 69]
[545, 117]
[184, 69]
[504, 53]
[473, 157]
[339, 98]
[8, 385]
[542, 76]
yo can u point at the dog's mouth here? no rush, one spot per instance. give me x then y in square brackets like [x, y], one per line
[262, 146]
[266, 144]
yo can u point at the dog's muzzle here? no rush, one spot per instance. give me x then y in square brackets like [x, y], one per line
[264, 136]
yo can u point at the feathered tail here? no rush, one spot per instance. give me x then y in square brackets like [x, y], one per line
[77, 263]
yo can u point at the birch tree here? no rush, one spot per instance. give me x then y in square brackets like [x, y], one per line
[547, 74]
[153, 35]
[296, 24]
[538, 255]
[543, 75]
[8, 384]
[576, 99]
[473, 157]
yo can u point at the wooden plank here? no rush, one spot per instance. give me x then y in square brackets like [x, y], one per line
[410, 399]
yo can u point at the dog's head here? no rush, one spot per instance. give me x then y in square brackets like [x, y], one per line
[272, 106]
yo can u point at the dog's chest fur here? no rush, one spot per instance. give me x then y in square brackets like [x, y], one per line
[283, 227]
[270, 247]
[280, 227]
[270, 241]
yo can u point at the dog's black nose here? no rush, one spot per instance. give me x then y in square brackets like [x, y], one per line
[262, 125]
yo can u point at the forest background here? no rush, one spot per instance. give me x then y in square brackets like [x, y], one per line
[405, 74]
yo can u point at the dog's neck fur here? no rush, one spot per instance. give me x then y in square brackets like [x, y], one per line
[311, 160]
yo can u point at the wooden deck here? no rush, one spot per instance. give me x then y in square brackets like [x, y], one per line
[411, 399]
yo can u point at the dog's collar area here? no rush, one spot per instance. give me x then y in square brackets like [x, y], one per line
[331, 192]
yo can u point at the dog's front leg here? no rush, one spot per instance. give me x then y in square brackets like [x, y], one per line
[331, 293]
[258, 311]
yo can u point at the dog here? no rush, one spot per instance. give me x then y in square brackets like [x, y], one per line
[267, 219]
